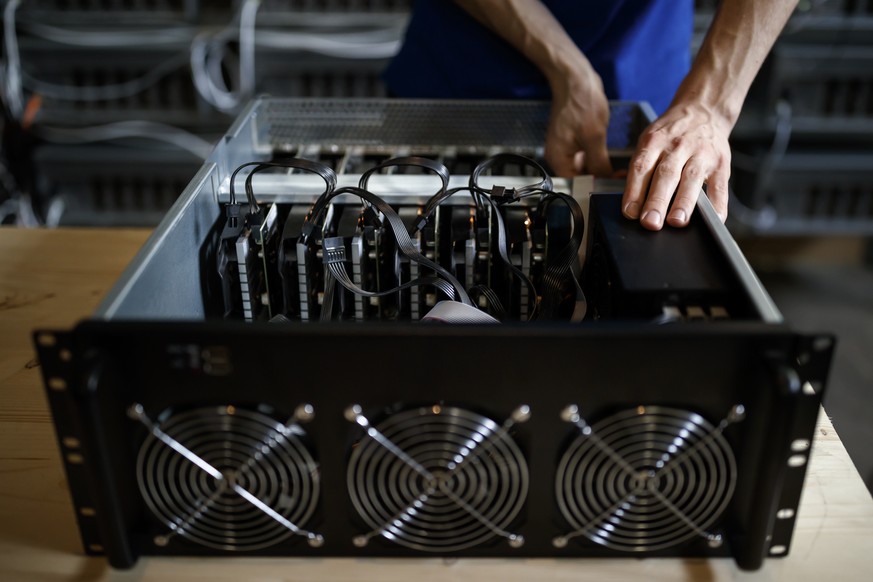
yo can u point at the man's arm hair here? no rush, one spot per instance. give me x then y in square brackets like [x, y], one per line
[739, 39]
[532, 29]
[576, 135]
[688, 146]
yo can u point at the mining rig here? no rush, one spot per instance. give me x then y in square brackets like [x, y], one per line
[382, 328]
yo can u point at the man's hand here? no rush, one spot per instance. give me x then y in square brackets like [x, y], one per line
[681, 151]
[688, 145]
[576, 136]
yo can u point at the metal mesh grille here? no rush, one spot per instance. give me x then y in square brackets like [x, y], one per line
[387, 122]
[252, 451]
[462, 479]
[646, 479]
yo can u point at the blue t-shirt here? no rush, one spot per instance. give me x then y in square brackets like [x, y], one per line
[640, 48]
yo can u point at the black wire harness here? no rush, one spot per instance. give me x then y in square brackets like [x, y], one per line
[559, 276]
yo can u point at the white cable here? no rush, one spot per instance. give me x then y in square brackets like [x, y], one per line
[104, 38]
[26, 215]
[56, 208]
[108, 91]
[334, 47]
[13, 91]
[208, 52]
[128, 129]
[247, 24]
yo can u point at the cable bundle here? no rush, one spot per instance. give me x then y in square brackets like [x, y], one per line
[426, 241]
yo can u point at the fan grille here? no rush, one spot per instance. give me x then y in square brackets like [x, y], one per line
[463, 479]
[251, 450]
[646, 479]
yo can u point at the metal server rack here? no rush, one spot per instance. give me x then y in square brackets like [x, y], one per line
[802, 147]
[340, 411]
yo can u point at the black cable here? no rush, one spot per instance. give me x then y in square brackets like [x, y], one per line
[327, 298]
[566, 261]
[502, 250]
[496, 307]
[324, 172]
[401, 235]
[334, 255]
[416, 161]
[544, 185]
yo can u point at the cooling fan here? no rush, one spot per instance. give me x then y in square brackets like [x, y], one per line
[646, 479]
[228, 478]
[438, 479]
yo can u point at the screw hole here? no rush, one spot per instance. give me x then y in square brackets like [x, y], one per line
[65, 355]
[800, 445]
[796, 461]
[75, 459]
[58, 384]
[71, 442]
[87, 511]
[46, 340]
[786, 513]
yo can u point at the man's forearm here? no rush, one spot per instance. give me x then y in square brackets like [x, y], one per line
[687, 146]
[576, 135]
[741, 35]
[532, 29]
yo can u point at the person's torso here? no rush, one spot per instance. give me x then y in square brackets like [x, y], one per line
[641, 48]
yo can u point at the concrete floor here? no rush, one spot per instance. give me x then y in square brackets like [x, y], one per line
[822, 291]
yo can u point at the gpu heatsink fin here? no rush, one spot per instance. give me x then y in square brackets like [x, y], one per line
[437, 478]
[646, 478]
[228, 478]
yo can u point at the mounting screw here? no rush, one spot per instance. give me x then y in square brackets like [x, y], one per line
[714, 540]
[161, 541]
[304, 413]
[135, 411]
[353, 412]
[521, 414]
[570, 413]
[360, 541]
[516, 541]
[559, 542]
[315, 540]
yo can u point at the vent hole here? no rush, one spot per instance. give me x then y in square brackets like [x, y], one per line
[47, 340]
[800, 445]
[796, 461]
[785, 513]
[57, 384]
[71, 442]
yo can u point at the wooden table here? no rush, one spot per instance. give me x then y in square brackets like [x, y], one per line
[53, 278]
